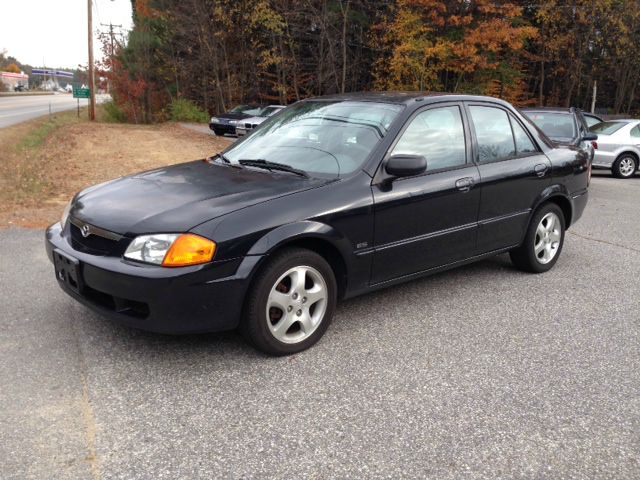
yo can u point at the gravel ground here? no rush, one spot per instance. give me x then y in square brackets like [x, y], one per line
[481, 372]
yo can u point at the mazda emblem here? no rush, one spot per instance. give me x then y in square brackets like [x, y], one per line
[85, 230]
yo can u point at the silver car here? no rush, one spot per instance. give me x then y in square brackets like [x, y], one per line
[245, 126]
[618, 146]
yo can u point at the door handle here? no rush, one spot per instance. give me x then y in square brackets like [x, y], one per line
[541, 169]
[464, 184]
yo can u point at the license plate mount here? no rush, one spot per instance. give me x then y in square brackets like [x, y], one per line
[68, 271]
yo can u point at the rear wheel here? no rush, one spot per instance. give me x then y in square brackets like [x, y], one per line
[291, 302]
[543, 241]
[625, 166]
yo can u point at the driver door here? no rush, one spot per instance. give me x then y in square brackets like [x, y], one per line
[429, 220]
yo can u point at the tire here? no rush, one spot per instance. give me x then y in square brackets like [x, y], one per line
[625, 166]
[543, 241]
[281, 318]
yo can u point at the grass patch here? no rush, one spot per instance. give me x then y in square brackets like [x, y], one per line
[111, 113]
[44, 162]
[44, 128]
[183, 110]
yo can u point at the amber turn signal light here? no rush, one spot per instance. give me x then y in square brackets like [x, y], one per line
[189, 249]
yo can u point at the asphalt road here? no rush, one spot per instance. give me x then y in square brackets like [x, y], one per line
[481, 372]
[18, 109]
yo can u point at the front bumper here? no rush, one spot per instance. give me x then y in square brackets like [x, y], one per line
[203, 298]
[223, 128]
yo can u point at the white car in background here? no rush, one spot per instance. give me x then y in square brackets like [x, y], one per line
[617, 147]
[248, 124]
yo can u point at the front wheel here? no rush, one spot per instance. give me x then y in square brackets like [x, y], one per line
[543, 241]
[291, 302]
[625, 166]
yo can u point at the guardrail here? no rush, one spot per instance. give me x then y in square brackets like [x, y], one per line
[23, 94]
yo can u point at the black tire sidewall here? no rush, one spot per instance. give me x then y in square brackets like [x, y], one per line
[254, 321]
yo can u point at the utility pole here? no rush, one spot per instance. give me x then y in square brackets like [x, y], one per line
[111, 35]
[112, 49]
[92, 76]
[593, 99]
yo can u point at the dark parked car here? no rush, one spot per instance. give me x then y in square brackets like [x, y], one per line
[565, 126]
[226, 122]
[331, 198]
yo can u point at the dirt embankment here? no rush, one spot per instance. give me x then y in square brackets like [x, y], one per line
[43, 163]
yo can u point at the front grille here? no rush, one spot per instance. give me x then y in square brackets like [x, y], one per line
[119, 305]
[95, 243]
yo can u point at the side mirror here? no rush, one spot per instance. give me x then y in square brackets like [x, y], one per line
[406, 165]
[589, 137]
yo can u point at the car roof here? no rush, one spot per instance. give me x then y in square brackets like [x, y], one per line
[567, 110]
[401, 97]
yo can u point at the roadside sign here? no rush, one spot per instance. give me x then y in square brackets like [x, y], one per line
[81, 92]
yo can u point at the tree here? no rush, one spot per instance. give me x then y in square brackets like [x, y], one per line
[12, 67]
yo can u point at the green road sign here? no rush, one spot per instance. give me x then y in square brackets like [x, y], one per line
[81, 92]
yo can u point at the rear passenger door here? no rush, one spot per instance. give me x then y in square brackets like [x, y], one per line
[513, 173]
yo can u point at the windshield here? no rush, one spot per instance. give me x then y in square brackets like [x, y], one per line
[555, 125]
[319, 137]
[607, 128]
[268, 111]
[246, 109]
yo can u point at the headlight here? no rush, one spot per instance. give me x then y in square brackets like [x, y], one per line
[233, 122]
[214, 120]
[65, 213]
[171, 249]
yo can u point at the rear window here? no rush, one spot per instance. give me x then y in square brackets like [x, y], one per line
[554, 125]
[607, 128]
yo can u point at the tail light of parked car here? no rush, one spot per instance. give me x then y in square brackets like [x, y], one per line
[595, 145]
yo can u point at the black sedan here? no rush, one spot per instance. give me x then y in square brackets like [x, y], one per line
[225, 123]
[332, 198]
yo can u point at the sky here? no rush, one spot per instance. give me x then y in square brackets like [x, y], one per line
[55, 32]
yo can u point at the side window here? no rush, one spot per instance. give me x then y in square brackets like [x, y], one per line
[635, 131]
[438, 135]
[523, 142]
[493, 132]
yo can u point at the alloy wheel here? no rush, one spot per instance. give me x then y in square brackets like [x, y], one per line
[627, 166]
[296, 304]
[548, 236]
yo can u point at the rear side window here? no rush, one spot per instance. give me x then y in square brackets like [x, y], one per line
[635, 131]
[493, 132]
[438, 135]
[607, 128]
[524, 144]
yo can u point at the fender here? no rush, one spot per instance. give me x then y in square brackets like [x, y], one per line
[556, 190]
[298, 230]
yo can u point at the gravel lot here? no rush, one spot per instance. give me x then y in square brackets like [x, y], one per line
[482, 372]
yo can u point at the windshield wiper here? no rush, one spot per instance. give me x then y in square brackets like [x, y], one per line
[273, 166]
[223, 158]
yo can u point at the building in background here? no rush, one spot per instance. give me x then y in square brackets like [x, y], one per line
[13, 80]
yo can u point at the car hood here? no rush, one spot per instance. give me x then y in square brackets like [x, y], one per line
[177, 198]
[254, 119]
[232, 116]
